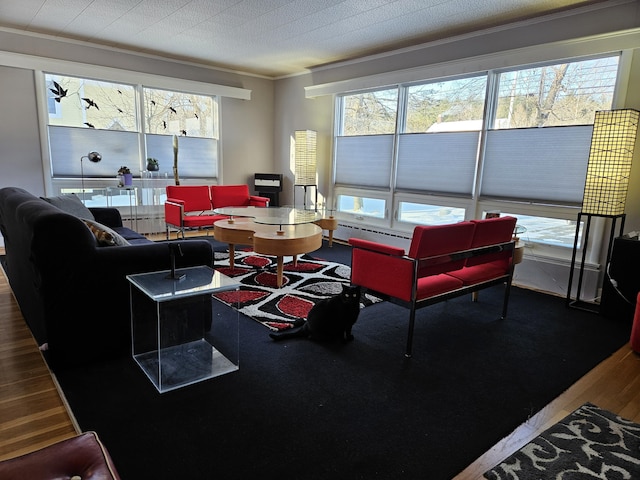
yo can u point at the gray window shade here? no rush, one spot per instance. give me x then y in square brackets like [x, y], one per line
[437, 162]
[537, 164]
[197, 157]
[364, 160]
[68, 144]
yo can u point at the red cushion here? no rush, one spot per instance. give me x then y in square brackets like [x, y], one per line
[480, 273]
[437, 284]
[229, 195]
[489, 232]
[201, 220]
[195, 197]
[435, 240]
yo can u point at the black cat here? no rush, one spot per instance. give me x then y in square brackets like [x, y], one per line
[328, 320]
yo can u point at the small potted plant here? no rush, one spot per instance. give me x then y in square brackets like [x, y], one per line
[125, 177]
[152, 165]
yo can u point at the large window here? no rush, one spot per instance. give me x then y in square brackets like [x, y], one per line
[127, 124]
[450, 149]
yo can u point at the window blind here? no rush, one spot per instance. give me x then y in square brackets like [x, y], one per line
[364, 160]
[537, 164]
[197, 156]
[437, 162]
[68, 144]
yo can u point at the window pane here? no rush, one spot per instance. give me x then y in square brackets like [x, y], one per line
[429, 214]
[550, 231]
[450, 106]
[563, 94]
[372, 207]
[81, 102]
[370, 113]
[177, 113]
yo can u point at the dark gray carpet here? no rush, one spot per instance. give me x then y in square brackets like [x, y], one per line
[301, 410]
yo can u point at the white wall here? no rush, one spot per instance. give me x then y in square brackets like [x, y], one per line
[20, 157]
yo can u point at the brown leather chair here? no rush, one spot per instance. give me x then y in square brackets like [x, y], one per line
[83, 457]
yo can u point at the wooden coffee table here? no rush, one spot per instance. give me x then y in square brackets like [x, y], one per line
[267, 235]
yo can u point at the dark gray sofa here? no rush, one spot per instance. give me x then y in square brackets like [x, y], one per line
[72, 292]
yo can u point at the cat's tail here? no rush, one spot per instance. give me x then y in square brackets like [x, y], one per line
[295, 332]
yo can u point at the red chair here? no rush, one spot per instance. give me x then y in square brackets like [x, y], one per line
[188, 207]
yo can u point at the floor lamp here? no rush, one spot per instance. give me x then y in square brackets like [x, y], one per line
[305, 164]
[94, 157]
[605, 191]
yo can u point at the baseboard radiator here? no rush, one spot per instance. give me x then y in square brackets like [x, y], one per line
[398, 239]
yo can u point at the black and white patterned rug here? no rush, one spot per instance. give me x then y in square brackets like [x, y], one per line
[590, 443]
[304, 284]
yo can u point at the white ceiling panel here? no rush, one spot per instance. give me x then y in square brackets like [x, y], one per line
[267, 37]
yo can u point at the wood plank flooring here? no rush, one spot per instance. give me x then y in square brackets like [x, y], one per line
[33, 414]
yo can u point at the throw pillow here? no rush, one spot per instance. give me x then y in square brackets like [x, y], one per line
[70, 204]
[105, 236]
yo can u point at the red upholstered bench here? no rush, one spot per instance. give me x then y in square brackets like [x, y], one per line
[443, 262]
[191, 206]
[81, 457]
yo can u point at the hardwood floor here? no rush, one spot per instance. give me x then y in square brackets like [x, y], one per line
[33, 413]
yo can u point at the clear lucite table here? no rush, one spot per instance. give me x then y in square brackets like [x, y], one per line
[176, 338]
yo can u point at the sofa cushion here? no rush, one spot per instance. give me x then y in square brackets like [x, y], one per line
[105, 236]
[70, 204]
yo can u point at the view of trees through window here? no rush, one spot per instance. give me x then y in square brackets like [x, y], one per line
[554, 95]
[78, 102]
[429, 123]
[446, 106]
[179, 113]
[371, 113]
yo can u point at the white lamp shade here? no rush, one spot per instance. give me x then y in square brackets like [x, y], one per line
[610, 159]
[305, 157]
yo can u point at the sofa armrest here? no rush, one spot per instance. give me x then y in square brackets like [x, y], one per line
[95, 324]
[376, 247]
[257, 201]
[107, 216]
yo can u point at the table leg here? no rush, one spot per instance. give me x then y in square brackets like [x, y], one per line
[232, 256]
[279, 271]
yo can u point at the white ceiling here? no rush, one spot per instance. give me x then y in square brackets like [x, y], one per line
[267, 37]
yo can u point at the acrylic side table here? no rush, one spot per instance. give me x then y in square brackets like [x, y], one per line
[176, 339]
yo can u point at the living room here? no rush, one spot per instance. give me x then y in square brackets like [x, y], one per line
[258, 123]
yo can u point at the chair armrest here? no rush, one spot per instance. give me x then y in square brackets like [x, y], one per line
[173, 211]
[257, 201]
[382, 268]
[376, 247]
